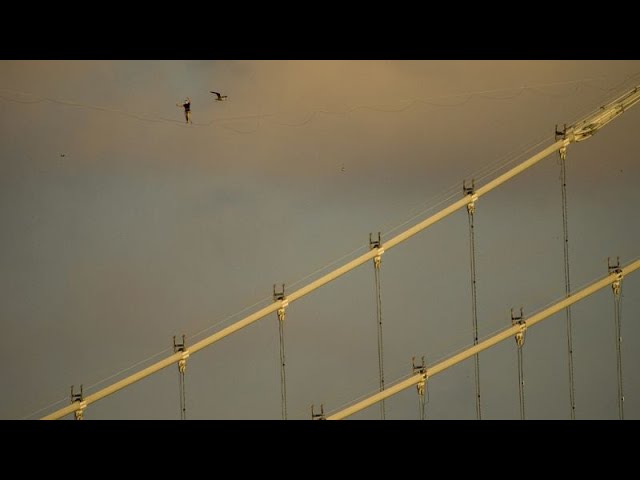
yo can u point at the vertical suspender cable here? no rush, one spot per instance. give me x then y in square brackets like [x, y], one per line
[618, 325]
[183, 397]
[421, 386]
[283, 375]
[474, 304]
[567, 282]
[521, 381]
[280, 297]
[182, 367]
[520, 337]
[421, 406]
[379, 322]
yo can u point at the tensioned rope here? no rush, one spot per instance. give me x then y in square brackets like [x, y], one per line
[281, 313]
[377, 261]
[474, 302]
[616, 287]
[182, 367]
[567, 281]
[618, 322]
[27, 98]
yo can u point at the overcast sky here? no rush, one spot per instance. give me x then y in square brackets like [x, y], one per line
[122, 226]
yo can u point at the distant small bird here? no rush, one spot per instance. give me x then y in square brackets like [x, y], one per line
[343, 168]
[62, 155]
[220, 97]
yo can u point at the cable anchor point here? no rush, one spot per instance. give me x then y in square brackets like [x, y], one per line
[280, 297]
[181, 347]
[617, 271]
[79, 398]
[377, 244]
[421, 370]
[470, 192]
[519, 320]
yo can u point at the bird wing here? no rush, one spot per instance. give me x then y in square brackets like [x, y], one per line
[216, 93]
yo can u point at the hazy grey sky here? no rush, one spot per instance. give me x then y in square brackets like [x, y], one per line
[148, 228]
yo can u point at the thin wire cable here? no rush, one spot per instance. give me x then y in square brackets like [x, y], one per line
[93, 385]
[376, 270]
[327, 265]
[618, 86]
[70, 103]
[230, 317]
[474, 309]
[618, 327]
[422, 403]
[418, 215]
[428, 397]
[283, 374]
[556, 95]
[452, 191]
[567, 283]
[367, 394]
[149, 117]
[259, 117]
[124, 370]
[183, 397]
[468, 95]
[66, 399]
[428, 101]
[521, 381]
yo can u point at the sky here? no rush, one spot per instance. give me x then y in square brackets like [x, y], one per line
[122, 226]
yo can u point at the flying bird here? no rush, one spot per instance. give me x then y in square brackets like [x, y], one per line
[220, 97]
